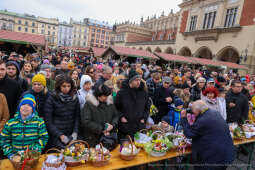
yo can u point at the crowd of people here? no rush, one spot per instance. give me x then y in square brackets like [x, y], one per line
[49, 101]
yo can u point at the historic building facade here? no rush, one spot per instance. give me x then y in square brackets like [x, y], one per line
[99, 33]
[65, 32]
[80, 33]
[6, 21]
[218, 30]
[49, 28]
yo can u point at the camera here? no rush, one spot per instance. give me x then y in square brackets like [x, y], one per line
[189, 110]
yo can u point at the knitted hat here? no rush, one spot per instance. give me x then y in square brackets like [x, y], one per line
[178, 102]
[39, 78]
[28, 99]
[133, 75]
[166, 119]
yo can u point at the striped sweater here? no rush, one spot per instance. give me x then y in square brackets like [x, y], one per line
[18, 134]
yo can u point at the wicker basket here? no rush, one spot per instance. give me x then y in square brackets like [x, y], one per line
[132, 155]
[53, 165]
[71, 162]
[103, 161]
[28, 164]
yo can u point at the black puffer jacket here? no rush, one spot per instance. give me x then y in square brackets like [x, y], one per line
[134, 105]
[62, 118]
[40, 100]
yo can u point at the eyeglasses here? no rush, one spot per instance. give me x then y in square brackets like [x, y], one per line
[238, 86]
[166, 82]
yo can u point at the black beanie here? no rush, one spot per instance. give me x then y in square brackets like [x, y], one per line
[133, 75]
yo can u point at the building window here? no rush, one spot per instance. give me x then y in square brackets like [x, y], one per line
[19, 28]
[74, 36]
[98, 36]
[97, 41]
[107, 38]
[42, 31]
[209, 19]
[33, 31]
[84, 44]
[43, 25]
[98, 30]
[92, 40]
[53, 27]
[193, 23]
[93, 29]
[92, 35]
[79, 35]
[19, 21]
[161, 36]
[49, 27]
[102, 41]
[103, 31]
[169, 37]
[102, 46]
[33, 24]
[102, 36]
[26, 23]
[53, 33]
[48, 32]
[230, 17]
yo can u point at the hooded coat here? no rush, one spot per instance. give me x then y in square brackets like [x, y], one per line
[132, 104]
[82, 94]
[93, 118]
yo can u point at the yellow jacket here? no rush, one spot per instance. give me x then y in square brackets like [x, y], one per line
[250, 115]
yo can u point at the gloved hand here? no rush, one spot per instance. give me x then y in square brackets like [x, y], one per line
[64, 139]
[74, 135]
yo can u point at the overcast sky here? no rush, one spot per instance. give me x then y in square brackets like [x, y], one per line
[104, 10]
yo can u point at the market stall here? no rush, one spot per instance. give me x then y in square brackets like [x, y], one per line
[21, 43]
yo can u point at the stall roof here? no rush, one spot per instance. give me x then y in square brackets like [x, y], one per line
[195, 60]
[233, 65]
[132, 52]
[98, 52]
[175, 58]
[21, 38]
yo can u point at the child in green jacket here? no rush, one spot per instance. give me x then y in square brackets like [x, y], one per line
[26, 129]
